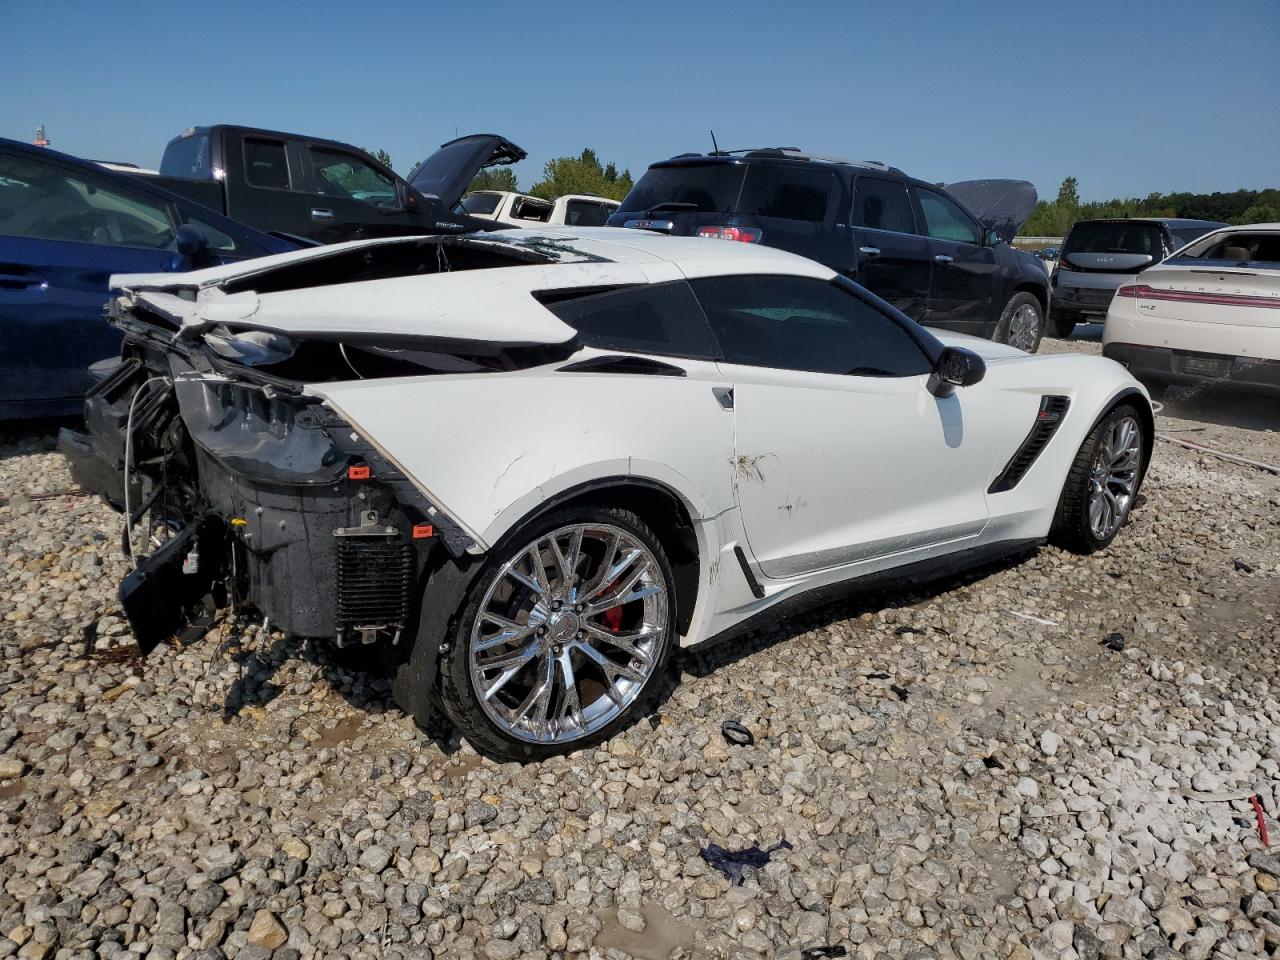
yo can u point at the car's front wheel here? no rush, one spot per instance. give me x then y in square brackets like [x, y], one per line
[1102, 483]
[563, 636]
[1022, 323]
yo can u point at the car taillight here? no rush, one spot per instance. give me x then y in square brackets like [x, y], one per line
[1135, 291]
[741, 234]
[1064, 264]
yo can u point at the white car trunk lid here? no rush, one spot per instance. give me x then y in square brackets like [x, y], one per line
[1239, 297]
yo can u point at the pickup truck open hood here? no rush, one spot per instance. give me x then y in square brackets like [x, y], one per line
[448, 172]
[1001, 205]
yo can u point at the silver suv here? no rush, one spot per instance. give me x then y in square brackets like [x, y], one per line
[1098, 255]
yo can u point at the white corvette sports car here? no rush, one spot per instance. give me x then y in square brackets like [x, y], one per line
[533, 462]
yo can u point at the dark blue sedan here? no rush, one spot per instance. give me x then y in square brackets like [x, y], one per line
[66, 225]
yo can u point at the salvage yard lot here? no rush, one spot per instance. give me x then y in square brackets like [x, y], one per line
[962, 771]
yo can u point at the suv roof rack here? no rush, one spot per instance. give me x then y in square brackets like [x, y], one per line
[793, 153]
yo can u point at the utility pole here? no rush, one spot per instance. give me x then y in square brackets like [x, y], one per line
[41, 139]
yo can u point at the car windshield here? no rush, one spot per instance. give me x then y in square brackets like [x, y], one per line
[706, 187]
[1115, 236]
[1257, 248]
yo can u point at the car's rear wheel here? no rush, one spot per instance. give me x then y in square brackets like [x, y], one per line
[563, 637]
[1022, 323]
[1102, 483]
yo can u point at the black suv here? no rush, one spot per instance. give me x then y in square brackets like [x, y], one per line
[912, 243]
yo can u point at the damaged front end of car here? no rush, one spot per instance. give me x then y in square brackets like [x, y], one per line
[247, 492]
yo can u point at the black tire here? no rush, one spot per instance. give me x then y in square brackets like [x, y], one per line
[1156, 388]
[1062, 324]
[458, 695]
[1072, 529]
[1019, 301]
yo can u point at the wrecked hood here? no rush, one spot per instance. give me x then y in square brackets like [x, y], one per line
[1001, 205]
[448, 172]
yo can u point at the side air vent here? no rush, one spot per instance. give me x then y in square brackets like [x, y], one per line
[618, 363]
[1052, 410]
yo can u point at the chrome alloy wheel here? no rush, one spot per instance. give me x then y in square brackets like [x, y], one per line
[1114, 477]
[1023, 326]
[568, 633]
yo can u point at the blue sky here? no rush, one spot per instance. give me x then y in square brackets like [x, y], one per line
[1128, 97]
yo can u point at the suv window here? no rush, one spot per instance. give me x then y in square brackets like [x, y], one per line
[265, 164]
[662, 319]
[1115, 236]
[342, 174]
[48, 202]
[787, 192]
[710, 187]
[883, 205]
[944, 220]
[798, 323]
[585, 213]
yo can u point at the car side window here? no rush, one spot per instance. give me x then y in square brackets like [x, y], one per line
[799, 323]
[341, 174]
[883, 205]
[45, 201]
[661, 318]
[265, 163]
[584, 213]
[944, 220]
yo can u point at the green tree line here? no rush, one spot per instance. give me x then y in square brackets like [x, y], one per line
[1054, 218]
[581, 174]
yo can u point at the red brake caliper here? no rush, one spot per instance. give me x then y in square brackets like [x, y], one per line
[612, 618]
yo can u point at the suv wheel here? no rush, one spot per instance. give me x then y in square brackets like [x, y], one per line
[563, 636]
[1022, 323]
[1062, 324]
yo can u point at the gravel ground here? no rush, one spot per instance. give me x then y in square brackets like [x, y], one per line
[962, 771]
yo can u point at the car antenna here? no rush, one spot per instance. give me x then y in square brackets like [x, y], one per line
[715, 147]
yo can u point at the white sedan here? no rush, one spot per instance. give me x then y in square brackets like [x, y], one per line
[531, 463]
[1210, 312]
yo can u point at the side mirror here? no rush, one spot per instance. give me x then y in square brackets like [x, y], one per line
[956, 367]
[991, 239]
[190, 242]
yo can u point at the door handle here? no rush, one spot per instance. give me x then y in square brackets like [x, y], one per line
[15, 278]
[943, 258]
[870, 251]
[319, 213]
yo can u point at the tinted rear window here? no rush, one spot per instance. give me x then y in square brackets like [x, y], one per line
[709, 187]
[481, 203]
[188, 157]
[790, 192]
[1119, 237]
[662, 319]
[1242, 247]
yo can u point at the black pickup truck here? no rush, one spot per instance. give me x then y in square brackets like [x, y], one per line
[324, 190]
